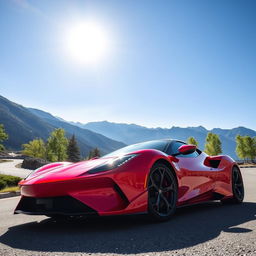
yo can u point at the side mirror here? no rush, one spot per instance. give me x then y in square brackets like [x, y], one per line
[187, 149]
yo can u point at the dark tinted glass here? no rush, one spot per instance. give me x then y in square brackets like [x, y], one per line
[154, 144]
[174, 149]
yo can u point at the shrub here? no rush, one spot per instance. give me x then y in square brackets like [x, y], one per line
[2, 184]
[8, 181]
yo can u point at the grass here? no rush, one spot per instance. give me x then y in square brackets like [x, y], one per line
[5, 161]
[10, 189]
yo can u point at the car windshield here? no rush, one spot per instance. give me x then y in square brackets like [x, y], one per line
[155, 144]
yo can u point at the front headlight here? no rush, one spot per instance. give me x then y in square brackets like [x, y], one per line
[112, 164]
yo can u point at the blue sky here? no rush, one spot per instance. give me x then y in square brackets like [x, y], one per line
[171, 63]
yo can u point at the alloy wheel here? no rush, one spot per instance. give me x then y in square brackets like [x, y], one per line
[162, 191]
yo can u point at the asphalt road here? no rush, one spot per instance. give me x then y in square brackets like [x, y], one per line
[9, 168]
[206, 229]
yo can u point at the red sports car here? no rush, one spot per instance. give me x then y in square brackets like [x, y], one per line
[152, 177]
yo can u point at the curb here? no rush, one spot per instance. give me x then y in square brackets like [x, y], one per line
[9, 194]
[249, 166]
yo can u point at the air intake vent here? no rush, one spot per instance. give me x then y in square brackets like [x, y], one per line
[65, 205]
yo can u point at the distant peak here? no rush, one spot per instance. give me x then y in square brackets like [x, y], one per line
[114, 123]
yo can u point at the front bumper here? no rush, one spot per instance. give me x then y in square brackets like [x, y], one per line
[61, 205]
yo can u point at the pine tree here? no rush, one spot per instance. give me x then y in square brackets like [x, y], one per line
[193, 141]
[94, 153]
[3, 136]
[73, 150]
[213, 144]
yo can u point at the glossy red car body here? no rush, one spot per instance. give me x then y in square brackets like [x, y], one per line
[123, 190]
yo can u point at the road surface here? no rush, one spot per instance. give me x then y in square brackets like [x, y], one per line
[9, 168]
[207, 229]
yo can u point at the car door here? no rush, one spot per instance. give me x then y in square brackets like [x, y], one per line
[195, 179]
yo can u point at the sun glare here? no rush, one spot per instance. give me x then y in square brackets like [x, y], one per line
[87, 43]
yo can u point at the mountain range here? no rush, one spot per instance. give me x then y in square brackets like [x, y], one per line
[132, 133]
[24, 124]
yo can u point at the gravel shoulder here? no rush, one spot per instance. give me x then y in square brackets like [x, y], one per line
[206, 229]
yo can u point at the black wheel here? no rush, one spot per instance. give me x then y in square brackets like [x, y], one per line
[162, 193]
[237, 187]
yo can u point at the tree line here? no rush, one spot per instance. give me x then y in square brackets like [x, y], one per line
[245, 146]
[212, 144]
[59, 148]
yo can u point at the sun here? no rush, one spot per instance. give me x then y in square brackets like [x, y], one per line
[87, 42]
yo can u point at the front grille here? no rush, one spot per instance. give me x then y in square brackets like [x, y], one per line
[53, 205]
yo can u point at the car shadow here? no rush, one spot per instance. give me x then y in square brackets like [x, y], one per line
[132, 234]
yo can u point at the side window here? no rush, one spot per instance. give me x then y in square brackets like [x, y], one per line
[174, 149]
[175, 146]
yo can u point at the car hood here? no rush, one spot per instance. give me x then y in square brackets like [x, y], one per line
[63, 171]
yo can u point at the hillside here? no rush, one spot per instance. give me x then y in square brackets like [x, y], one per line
[83, 135]
[23, 124]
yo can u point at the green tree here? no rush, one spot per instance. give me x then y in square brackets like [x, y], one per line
[193, 141]
[56, 148]
[35, 148]
[250, 147]
[213, 144]
[3, 136]
[73, 150]
[94, 153]
[240, 147]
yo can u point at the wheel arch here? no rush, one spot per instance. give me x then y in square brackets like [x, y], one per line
[235, 165]
[168, 164]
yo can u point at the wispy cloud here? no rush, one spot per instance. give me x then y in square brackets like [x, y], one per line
[26, 5]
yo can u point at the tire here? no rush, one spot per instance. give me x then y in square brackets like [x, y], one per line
[162, 193]
[237, 188]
